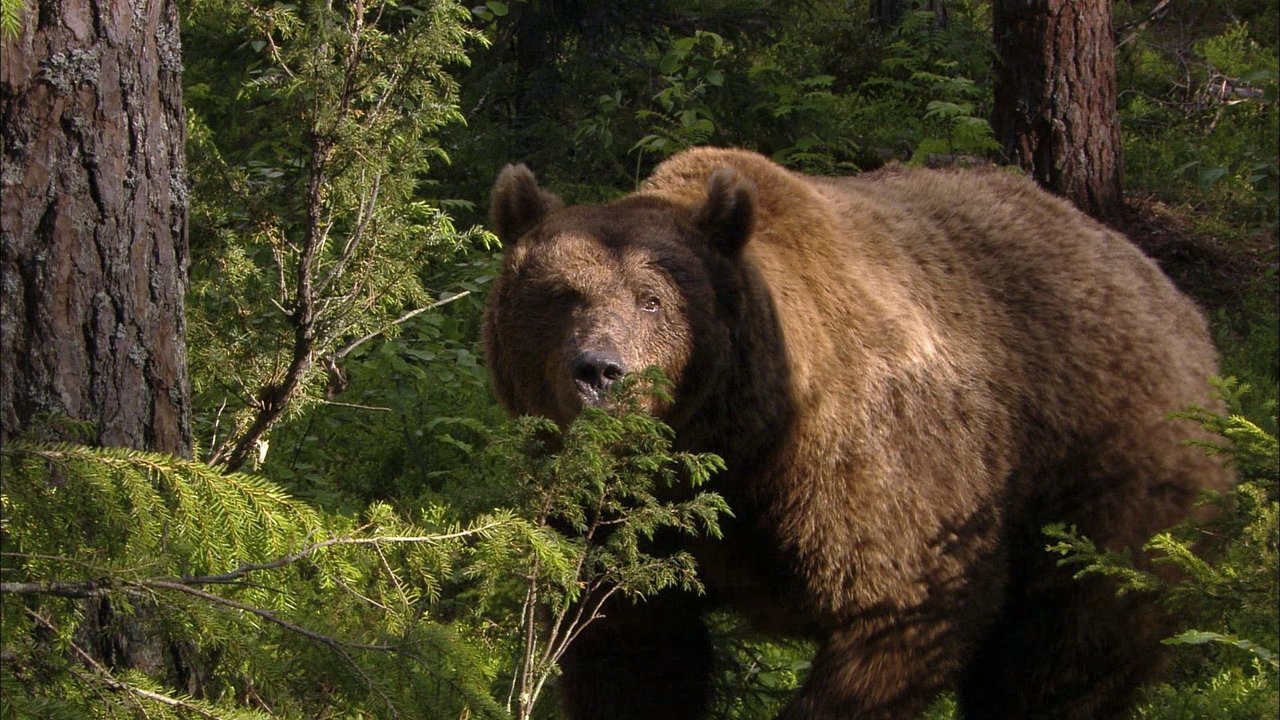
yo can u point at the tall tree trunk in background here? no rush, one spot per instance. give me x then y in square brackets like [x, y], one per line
[93, 246]
[888, 14]
[94, 251]
[1055, 97]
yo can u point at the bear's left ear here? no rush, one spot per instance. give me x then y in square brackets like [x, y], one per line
[517, 204]
[728, 215]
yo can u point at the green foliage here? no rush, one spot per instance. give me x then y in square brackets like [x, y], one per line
[933, 82]
[1075, 549]
[603, 483]
[11, 12]
[1232, 692]
[284, 612]
[1226, 582]
[311, 128]
[1201, 121]
[754, 678]
[413, 410]
[613, 483]
[1250, 342]
[147, 509]
[691, 69]
[288, 611]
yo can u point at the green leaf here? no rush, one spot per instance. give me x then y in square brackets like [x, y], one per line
[1202, 637]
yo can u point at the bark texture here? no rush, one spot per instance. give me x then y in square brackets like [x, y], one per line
[1055, 97]
[94, 250]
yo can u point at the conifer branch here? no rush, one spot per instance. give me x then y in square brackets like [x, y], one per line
[267, 615]
[113, 683]
[98, 587]
[140, 588]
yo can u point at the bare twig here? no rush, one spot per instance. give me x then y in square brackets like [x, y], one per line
[274, 398]
[1132, 29]
[179, 586]
[398, 321]
[367, 208]
[567, 622]
[97, 587]
[73, 589]
[379, 408]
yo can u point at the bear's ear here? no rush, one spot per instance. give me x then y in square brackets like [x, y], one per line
[517, 203]
[728, 215]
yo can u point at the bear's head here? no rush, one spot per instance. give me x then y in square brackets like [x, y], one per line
[589, 293]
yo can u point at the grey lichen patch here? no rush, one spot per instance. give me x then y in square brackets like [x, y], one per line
[10, 286]
[178, 188]
[71, 69]
[138, 355]
[11, 175]
[169, 48]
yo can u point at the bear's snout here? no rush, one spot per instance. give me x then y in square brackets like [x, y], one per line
[593, 372]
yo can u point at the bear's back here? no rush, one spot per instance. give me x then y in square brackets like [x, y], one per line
[991, 257]
[1023, 327]
[1072, 326]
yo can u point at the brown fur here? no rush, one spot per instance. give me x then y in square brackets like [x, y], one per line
[908, 374]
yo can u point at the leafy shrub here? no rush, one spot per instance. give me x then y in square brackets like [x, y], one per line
[1201, 123]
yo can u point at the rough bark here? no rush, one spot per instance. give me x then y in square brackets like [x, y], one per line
[1055, 97]
[94, 247]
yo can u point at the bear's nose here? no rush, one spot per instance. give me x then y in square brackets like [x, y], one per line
[594, 372]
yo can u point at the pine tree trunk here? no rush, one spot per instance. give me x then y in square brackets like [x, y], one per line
[1055, 97]
[93, 251]
[94, 247]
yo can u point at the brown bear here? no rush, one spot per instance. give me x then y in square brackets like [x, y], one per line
[908, 374]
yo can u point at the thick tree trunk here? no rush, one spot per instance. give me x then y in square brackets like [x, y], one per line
[1055, 97]
[94, 247]
[93, 250]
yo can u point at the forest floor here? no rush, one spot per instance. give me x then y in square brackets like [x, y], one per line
[1220, 274]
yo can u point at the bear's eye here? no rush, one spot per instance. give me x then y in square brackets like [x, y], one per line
[650, 304]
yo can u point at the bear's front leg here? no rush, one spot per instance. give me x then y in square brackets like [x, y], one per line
[883, 667]
[649, 659]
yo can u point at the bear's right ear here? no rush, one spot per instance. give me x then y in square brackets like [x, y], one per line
[517, 203]
[728, 215]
